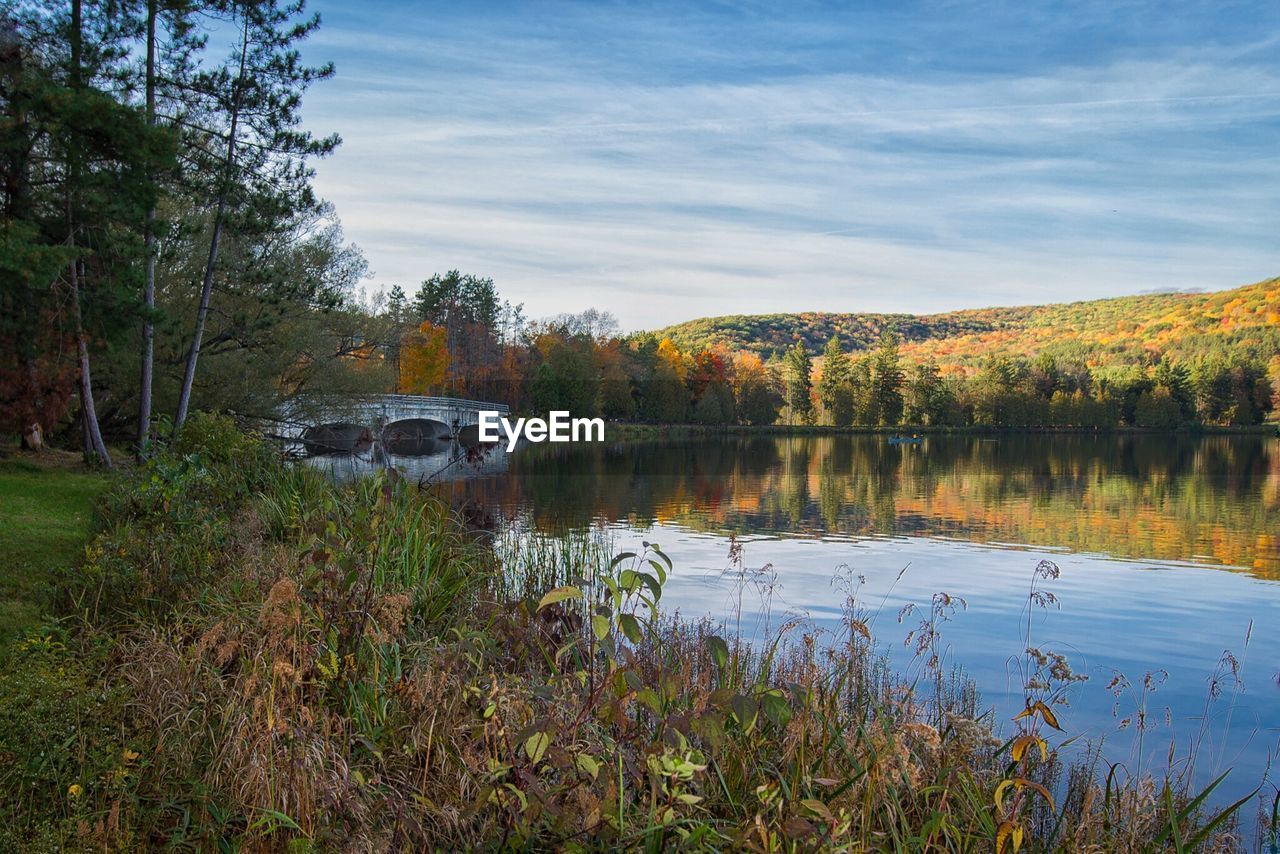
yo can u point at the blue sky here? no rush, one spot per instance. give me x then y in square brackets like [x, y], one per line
[670, 161]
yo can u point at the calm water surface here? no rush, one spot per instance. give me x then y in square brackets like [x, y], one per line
[1169, 550]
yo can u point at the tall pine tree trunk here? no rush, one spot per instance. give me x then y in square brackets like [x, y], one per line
[93, 444]
[89, 413]
[206, 290]
[149, 240]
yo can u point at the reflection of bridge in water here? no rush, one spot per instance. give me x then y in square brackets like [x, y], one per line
[397, 422]
[433, 461]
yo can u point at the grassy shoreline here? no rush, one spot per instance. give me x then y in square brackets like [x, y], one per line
[46, 508]
[251, 657]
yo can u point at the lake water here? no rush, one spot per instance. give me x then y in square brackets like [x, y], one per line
[1169, 550]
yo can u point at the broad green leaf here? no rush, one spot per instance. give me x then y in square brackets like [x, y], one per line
[587, 765]
[746, 710]
[535, 746]
[630, 627]
[515, 790]
[652, 583]
[818, 808]
[560, 594]
[719, 651]
[776, 708]
[613, 590]
[650, 698]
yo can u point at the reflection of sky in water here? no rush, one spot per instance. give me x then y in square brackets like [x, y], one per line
[1125, 616]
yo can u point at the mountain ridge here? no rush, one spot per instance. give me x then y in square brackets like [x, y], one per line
[1244, 321]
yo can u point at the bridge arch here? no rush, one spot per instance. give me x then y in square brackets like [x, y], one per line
[470, 435]
[415, 435]
[335, 437]
[416, 428]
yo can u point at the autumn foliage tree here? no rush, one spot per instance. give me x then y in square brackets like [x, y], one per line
[424, 360]
[754, 390]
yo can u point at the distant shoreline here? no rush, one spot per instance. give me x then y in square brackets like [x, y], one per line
[621, 430]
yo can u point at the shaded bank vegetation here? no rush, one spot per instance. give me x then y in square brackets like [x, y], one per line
[161, 247]
[252, 657]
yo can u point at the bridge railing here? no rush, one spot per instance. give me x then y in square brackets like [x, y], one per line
[409, 400]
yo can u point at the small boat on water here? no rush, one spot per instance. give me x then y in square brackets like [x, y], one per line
[905, 440]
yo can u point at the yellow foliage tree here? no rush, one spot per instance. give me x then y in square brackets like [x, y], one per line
[670, 353]
[424, 360]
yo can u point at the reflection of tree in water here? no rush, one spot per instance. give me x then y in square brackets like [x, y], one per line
[1161, 497]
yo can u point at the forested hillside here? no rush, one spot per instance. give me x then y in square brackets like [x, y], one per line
[1125, 330]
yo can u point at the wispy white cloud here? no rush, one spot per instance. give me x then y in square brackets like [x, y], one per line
[574, 180]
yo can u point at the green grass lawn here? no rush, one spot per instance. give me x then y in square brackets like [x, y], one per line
[46, 504]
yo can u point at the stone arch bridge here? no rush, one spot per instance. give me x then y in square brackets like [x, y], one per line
[336, 424]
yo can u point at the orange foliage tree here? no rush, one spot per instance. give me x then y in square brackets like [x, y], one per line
[424, 360]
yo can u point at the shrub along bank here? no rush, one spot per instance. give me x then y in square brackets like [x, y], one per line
[253, 658]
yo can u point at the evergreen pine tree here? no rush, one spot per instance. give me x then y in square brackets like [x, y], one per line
[799, 383]
[886, 378]
[835, 374]
[261, 173]
[925, 395]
